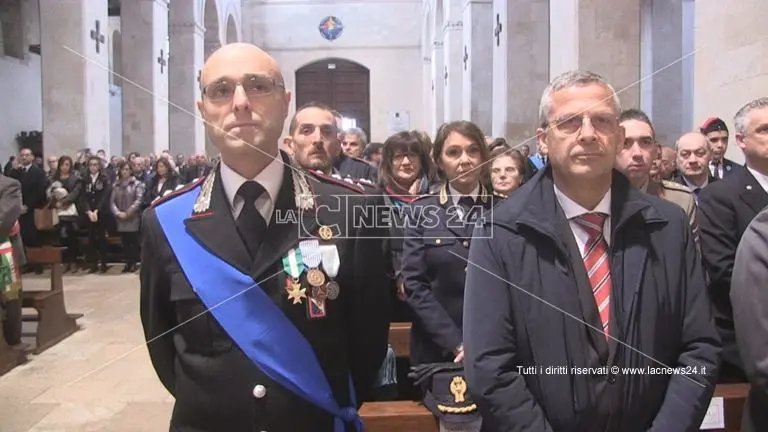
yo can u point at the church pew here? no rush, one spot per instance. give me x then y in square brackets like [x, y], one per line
[397, 416]
[400, 339]
[54, 324]
[381, 413]
[734, 397]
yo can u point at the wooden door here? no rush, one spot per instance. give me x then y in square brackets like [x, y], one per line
[343, 85]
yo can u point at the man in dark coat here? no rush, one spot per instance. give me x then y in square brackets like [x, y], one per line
[580, 276]
[726, 208]
[750, 306]
[303, 275]
[34, 183]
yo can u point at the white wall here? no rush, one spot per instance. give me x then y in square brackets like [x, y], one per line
[384, 36]
[21, 87]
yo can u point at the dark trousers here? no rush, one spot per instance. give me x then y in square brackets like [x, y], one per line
[12, 322]
[68, 239]
[130, 241]
[97, 243]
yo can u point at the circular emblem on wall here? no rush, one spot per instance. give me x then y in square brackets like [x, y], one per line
[331, 28]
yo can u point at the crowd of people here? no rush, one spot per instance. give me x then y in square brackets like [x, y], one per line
[603, 248]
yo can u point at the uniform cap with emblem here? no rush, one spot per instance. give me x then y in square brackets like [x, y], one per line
[446, 392]
[713, 124]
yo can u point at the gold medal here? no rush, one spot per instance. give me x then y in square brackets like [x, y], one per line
[326, 233]
[295, 292]
[315, 277]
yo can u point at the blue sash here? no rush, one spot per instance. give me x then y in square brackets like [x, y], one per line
[250, 317]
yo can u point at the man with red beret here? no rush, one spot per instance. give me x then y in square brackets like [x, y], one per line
[717, 134]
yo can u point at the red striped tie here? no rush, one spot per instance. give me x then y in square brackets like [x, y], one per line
[597, 264]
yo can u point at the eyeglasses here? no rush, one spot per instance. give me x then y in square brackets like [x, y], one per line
[602, 123]
[253, 85]
[399, 157]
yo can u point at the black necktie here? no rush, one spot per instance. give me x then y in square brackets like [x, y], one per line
[716, 170]
[466, 204]
[250, 223]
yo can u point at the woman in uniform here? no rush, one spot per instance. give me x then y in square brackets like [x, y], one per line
[439, 227]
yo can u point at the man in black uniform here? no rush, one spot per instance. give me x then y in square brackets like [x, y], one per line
[276, 304]
[314, 142]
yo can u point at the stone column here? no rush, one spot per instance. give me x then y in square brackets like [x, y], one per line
[602, 36]
[438, 83]
[664, 73]
[477, 60]
[731, 65]
[187, 131]
[145, 67]
[75, 75]
[520, 68]
[453, 52]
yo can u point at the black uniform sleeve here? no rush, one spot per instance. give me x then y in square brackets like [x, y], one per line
[370, 305]
[157, 313]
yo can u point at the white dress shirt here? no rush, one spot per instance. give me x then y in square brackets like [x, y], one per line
[572, 210]
[762, 179]
[717, 171]
[270, 178]
[456, 196]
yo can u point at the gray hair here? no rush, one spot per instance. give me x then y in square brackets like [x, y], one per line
[573, 79]
[740, 119]
[357, 132]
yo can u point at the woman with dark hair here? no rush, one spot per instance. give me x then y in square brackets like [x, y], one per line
[126, 206]
[165, 181]
[94, 202]
[64, 193]
[437, 235]
[405, 173]
[507, 171]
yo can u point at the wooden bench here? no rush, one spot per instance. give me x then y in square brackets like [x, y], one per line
[397, 416]
[414, 417]
[400, 339]
[734, 397]
[54, 324]
[384, 416]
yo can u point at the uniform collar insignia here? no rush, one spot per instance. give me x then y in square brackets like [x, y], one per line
[444, 194]
[203, 201]
[483, 194]
[305, 198]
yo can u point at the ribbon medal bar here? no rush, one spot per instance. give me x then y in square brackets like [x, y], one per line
[294, 267]
[331, 265]
[311, 255]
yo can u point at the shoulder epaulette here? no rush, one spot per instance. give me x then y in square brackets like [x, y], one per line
[426, 195]
[177, 192]
[329, 179]
[675, 186]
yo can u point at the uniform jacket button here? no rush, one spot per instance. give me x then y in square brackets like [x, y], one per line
[259, 391]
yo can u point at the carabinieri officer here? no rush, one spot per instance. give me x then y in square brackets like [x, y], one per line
[264, 306]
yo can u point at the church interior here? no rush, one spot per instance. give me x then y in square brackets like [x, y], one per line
[121, 79]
